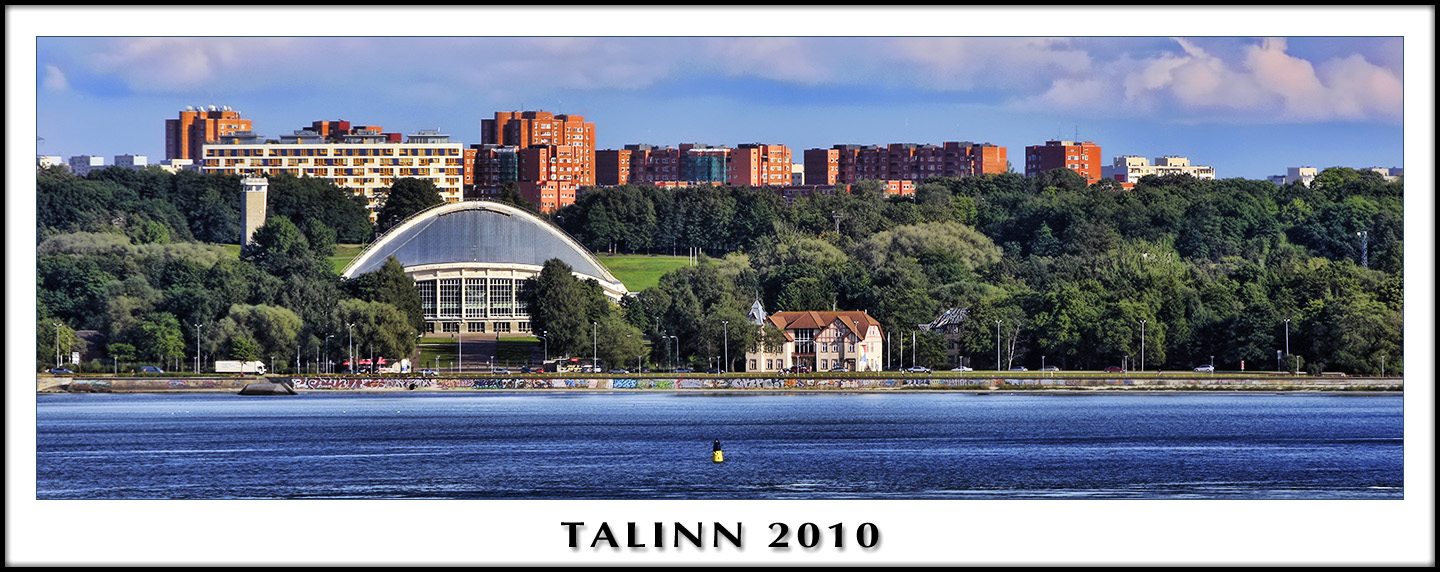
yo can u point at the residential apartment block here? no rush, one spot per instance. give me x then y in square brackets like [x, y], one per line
[367, 163]
[526, 129]
[81, 165]
[186, 135]
[1303, 175]
[821, 341]
[1129, 168]
[691, 163]
[758, 165]
[1083, 157]
[849, 164]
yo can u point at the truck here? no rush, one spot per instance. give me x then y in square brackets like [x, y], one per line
[257, 367]
[402, 366]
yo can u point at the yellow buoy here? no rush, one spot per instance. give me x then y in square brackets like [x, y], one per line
[719, 456]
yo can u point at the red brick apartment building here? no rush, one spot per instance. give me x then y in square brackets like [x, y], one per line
[758, 165]
[186, 136]
[1081, 157]
[526, 129]
[692, 163]
[849, 164]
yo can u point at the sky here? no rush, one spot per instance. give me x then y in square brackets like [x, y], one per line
[1249, 91]
[1250, 106]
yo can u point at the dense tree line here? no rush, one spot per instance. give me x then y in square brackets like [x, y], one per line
[1046, 266]
[140, 256]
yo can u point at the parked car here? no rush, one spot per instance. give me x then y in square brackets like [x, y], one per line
[917, 369]
[150, 369]
[962, 368]
[61, 370]
[684, 370]
[797, 369]
[713, 370]
[1114, 369]
[620, 370]
[1049, 368]
[500, 370]
[839, 368]
[1207, 368]
[526, 369]
[428, 372]
[1019, 368]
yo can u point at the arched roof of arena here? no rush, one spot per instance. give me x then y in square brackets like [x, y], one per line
[480, 232]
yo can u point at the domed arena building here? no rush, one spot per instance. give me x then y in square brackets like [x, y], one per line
[470, 260]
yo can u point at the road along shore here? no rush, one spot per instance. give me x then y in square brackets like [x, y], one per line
[972, 383]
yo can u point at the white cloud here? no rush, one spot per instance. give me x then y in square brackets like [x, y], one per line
[1260, 81]
[54, 79]
[1265, 84]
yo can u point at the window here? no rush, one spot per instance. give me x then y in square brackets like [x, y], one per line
[502, 327]
[427, 298]
[450, 327]
[450, 298]
[475, 327]
[523, 326]
[752, 365]
[475, 297]
[502, 297]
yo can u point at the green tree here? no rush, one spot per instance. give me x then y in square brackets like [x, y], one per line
[378, 327]
[392, 285]
[562, 307]
[161, 339]
[46, 339]
[510, 194]
[406, 197]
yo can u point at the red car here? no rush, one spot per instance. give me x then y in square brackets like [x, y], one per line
[1114, 369]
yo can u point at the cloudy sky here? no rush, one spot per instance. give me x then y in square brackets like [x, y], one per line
[1249, 105]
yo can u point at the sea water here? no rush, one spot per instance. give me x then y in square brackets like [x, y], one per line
[777, 445]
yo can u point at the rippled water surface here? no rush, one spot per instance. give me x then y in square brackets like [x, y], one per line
[777, 446]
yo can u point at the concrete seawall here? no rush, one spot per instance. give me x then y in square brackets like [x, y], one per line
[101, 384]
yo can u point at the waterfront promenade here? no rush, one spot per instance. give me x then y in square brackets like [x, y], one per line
[977, 382]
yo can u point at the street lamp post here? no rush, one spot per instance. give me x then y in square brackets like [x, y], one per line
[326, 364]
[726, 324]
[1142, 345]
[1364, 248]
[197, 347]
[459, 357]
[1382, 366]
[545, 337]
[1287, 336]
[57, 344]
[594, 346]
[350, 347]
[913, 361]
[997, 344]
[1212, 365]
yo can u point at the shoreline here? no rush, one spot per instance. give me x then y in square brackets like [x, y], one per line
[725, 385]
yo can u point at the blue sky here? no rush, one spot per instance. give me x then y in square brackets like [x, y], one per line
[1248, 91]
[1249, 105]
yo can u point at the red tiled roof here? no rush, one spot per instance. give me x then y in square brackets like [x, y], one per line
[857, 321]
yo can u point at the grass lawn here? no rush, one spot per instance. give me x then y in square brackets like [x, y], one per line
[636, 271]
[344, 253]
[640, 271]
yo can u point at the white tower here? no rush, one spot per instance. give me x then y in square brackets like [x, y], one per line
[252, 210]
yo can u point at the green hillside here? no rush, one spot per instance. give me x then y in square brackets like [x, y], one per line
[640, 271]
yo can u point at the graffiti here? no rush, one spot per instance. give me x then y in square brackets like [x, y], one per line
[195, 383]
